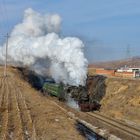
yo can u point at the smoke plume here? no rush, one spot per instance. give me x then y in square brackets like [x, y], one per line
[36, 43]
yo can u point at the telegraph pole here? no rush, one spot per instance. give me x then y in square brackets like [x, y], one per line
[128, 55]
[6, 52]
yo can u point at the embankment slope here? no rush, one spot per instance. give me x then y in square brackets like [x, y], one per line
[121, 98]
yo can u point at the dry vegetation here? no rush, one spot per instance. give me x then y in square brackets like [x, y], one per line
[119, 98]
[122, 99]
[122, 96]
[25, 113]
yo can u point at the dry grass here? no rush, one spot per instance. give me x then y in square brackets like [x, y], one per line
[49, 122]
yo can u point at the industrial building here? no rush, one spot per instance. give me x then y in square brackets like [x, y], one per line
[124, 72]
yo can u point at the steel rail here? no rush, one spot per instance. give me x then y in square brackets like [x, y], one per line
[133, 131]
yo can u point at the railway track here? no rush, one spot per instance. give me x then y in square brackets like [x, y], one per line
[15, 117]
[15, 125]
[25, 114]
[132, 131]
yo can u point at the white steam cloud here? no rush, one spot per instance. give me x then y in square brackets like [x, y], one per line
[35, 43]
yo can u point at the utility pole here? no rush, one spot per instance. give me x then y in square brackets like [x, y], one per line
[128, 55]
[6, 52]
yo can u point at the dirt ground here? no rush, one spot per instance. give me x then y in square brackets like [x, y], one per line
[26, 114]
[122, 99]
[119, 98]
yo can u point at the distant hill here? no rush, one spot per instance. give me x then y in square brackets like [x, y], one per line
[132, 62]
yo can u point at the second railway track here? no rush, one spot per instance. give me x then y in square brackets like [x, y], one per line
[133, 132]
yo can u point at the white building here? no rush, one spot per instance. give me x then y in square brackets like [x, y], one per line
[136, 71]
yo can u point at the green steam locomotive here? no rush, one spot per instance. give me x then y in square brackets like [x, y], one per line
[54, 89]
[79, 93]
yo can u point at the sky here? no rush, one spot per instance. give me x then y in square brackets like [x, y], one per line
[109, 29]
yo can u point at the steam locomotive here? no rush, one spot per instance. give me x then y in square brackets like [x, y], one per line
[79, 93]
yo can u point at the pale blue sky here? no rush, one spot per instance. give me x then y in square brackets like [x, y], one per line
[106, 26]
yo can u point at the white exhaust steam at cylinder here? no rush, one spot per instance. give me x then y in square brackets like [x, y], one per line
[35, 43]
